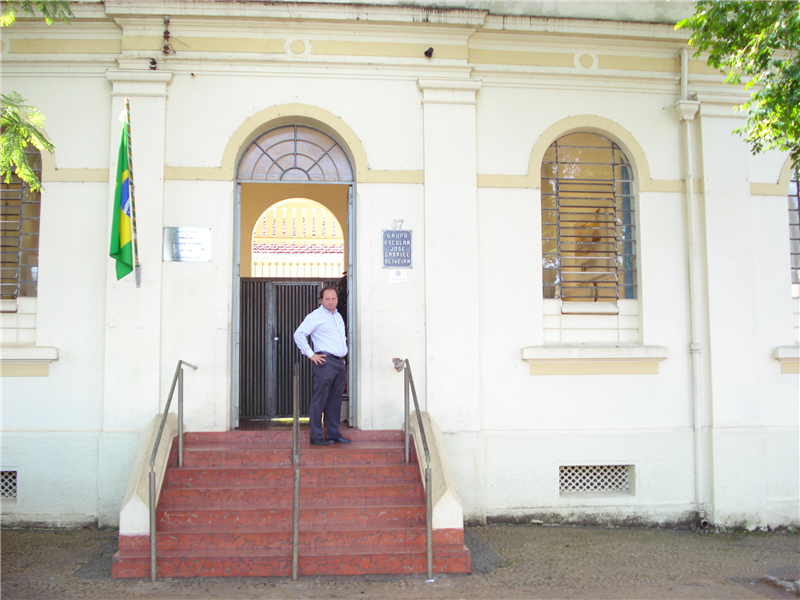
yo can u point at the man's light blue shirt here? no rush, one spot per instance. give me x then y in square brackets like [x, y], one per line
[326, 331]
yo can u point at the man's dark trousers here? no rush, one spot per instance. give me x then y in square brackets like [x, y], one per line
[330, 379]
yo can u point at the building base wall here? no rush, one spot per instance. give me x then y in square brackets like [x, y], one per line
[514, 477]
[67, 479]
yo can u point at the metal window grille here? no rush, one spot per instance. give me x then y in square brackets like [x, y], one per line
[19, 243]
[8, 485]
[794, 227]
[588, 221]
[595, 478]
[294, 153]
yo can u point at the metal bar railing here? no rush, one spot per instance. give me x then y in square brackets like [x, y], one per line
[176, 380]
[402, 364]
[296, 464]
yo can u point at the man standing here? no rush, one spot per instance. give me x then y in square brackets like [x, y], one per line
[326, 328]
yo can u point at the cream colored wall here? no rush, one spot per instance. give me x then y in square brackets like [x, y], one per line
[391, 316]
[447, 146]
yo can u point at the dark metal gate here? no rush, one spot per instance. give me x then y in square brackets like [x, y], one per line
[271, 310]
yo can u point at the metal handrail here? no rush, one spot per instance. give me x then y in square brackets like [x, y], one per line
[177, 379]
[402, 364]
[296, 465]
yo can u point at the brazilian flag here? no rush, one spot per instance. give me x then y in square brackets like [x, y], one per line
[121, 244]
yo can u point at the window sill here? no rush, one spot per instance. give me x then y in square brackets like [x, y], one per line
[789, 357]
[589, 308]
[8, 306]
[594, 359]
[26, 361]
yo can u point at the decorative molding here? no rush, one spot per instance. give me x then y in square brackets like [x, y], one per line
[686, 109]
[449, 91]
[26, 361]
[781, 188]
[50, 173]
[311, 11]
[139, 82]
[594, 359]
[789, 357]
[722, 105]
[64, 46]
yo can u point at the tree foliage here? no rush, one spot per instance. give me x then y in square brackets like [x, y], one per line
[757, 41]
[51, 10]
[20, 122]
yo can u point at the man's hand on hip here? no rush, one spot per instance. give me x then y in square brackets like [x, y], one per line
[317, 359]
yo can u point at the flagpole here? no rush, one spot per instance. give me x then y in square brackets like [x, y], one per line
[137, 266]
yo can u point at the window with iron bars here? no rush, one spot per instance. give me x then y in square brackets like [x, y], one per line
[794, 228]
[19, 223]
[588, 221]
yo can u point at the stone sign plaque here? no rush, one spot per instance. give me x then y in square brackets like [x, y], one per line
[187, 244]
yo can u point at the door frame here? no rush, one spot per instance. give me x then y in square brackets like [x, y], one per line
[352, 313]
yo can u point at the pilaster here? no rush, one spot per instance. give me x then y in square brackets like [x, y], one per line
[132, 388]
[451, 252]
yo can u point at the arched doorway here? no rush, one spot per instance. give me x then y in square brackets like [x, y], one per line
[294, 216]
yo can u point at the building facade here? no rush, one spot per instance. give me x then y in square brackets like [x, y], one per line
[545, 211]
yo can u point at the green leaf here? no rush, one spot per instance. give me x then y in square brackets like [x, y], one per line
[51, 10]
[759, 40]
[19, 123]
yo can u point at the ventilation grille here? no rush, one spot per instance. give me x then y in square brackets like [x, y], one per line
[595, 478]
[8, 485]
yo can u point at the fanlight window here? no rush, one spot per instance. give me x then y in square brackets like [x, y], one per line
[295, 153]
[588, 225]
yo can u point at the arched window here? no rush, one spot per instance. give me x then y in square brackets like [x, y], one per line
[295, 153]
[588, 221]
[794, 231]
[19, 215]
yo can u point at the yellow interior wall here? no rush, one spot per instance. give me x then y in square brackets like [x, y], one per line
[258, 197]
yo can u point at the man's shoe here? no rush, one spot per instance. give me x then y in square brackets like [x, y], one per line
[340, 440]
[320, 443]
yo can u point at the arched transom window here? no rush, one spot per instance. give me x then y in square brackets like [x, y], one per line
[588, 224]
[295, 153]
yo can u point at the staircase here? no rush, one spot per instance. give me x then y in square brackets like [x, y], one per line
[228, 510]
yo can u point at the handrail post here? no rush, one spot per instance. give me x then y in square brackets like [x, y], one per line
[406, 412]
[177, 379]
[152, 486]
[296, 463]
[428, 522]
[180, 413]
[408, 379]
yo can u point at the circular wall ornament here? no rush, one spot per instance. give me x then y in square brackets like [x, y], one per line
[586, 60]
[298, 47]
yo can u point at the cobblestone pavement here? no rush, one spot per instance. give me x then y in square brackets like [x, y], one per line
[509, 561]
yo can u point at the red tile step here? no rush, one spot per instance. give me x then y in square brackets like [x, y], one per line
[228, 510]
[315, 538]
[265, 562]
[282, 496]
[378, 514]
[219, 455]
[285, 436]
[331, 475]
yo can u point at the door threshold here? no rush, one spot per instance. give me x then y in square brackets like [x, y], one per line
[274, 423]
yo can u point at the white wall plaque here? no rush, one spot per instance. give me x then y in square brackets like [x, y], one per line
[187, 244]
[398, 276]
